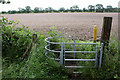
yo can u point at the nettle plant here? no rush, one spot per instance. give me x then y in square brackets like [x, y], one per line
[14, 40]
[52, 32]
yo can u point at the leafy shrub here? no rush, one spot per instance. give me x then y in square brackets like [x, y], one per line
[52, 32]
[110, 64]
[36, 65]
[14, 40]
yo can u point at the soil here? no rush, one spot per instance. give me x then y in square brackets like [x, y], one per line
[69, 24]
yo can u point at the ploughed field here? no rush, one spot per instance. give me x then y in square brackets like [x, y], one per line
[69, 24]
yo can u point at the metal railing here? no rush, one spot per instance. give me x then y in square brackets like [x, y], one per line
[63, 51]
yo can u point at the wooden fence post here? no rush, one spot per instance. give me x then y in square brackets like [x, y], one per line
[31, 44]
[34, 43]
[34, 38]
[105, 35]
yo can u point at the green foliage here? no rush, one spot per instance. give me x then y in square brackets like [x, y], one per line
[39, 66]
[91, 8]
[36, 65]
[14, 40]
[36, 10]
[110, 64]
[99, 8]
[12, 11]
[62, 9]
[28, 9]
[4, 2]
[52, 32]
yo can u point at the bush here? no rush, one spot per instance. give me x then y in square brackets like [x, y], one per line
[110, 64]
[14, 40]
[36, 65]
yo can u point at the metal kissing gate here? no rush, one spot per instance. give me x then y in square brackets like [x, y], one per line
[62, 52]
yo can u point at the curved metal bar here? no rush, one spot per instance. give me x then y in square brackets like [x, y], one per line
[51, 57]
[50, 50]
[67, 43]
[50, 42]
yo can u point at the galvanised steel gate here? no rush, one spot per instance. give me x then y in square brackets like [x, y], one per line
[63, 51]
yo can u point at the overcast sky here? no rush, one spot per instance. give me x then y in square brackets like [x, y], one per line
[56, 4]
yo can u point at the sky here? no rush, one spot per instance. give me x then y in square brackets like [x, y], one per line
[55, 4]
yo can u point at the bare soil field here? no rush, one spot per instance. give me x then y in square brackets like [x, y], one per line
[69, 24]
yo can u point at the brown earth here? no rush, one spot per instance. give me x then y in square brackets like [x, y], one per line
[70, 24]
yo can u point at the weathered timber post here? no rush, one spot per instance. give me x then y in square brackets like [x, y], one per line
[34, 44]
[31, 44]
[105, 35]
[106, 29]
[34, 38]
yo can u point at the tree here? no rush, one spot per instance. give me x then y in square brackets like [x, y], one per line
[36, 9]
[9, 12]
[28, 9]
[99, 8]
[116, 9]
[50, 9]
[91, 8]
[75, 8]
[62, 9]
[46, 9]
[3, 12]
[67, 10]
[21, 10]
[4, 2]
[84, 10]
[109, 8]
[71, 9]
[12, 12]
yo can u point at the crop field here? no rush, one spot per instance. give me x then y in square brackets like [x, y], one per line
[69, 24]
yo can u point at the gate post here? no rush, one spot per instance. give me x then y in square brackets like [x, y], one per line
[34, 38]
[105, 35]
[101, 51]
[61, 55]
[74, 46]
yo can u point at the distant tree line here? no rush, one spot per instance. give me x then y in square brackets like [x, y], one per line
[75, 8]
[4, 2]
